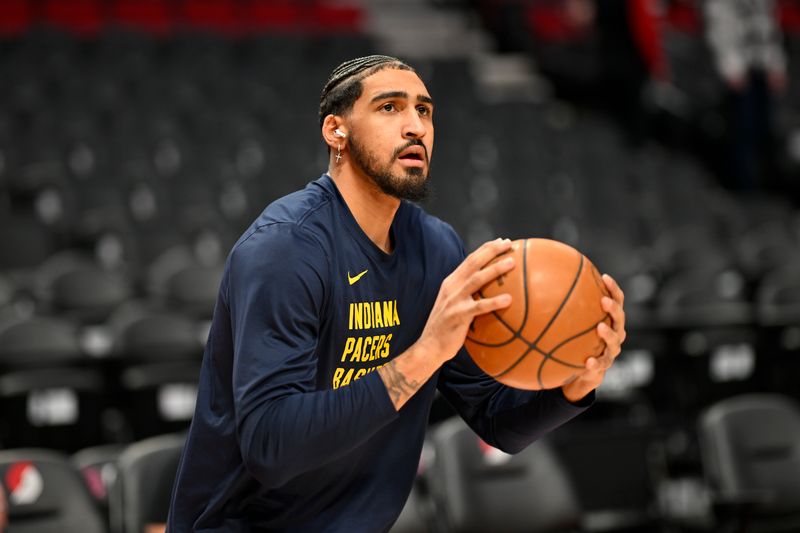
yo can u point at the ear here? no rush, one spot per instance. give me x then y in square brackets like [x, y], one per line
[329, 127]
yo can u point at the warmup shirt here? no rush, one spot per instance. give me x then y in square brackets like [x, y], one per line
[293, 429]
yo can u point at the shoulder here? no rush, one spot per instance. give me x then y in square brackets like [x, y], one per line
[434, 231]
[299, 208]
[285, 238]
[286, 228]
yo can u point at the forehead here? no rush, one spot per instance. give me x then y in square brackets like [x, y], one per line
[392, 80]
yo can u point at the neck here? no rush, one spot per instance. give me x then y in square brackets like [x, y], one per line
[373, 209]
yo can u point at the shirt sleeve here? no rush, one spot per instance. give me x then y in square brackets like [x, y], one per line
[276, 295]
[506, 418]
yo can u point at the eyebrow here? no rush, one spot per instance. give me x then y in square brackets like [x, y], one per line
[401, 94]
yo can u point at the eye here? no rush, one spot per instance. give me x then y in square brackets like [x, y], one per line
[423, 110]
[388, 107]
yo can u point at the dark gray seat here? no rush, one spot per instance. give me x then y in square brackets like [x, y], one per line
[146, 472]
[478, 488]
[51, 393]
[751, 458]
[46, 494]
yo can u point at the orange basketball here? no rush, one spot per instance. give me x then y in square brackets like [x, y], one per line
[543, 339]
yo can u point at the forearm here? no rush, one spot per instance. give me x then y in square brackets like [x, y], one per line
[408, 372]
[506, 418]
[514, 429]
[285, 437]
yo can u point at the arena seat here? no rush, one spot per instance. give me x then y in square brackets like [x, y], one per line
[751, 461]
[193, 290]
[617, 440]
[778, 315]
[141, 493]
[158, 354]
[26, 242]
[98, 467]
[52, 394]
[73, 286]
[46, 494]
[479, 488]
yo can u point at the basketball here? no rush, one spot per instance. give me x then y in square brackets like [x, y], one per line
[542, 340]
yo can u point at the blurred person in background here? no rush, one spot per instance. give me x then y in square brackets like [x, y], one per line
[746, 43]
[632, 54]
[602, 53]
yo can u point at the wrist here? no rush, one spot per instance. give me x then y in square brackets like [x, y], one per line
[426, 355]
[575, 392]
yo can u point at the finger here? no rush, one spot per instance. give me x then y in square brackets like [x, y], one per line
[617, 313]
[485, 253]
[604, 362]
[491, 272]
[614, 288]
[596, 365]
[611, 338]
[487, 305]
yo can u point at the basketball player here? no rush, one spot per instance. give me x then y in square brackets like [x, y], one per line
[341, 310]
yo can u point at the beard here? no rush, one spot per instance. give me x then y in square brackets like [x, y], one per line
[409, 185]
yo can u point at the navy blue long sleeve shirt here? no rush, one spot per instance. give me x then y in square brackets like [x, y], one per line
[293, 428]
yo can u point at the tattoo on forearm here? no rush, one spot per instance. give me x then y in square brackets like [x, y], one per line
[399, 388]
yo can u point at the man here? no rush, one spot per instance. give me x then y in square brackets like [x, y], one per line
[747, 46]
[341, 310]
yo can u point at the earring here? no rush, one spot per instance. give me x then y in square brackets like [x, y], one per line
[339, 154]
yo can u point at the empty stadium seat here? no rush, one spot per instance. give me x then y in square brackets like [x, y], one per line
[46, 494]
[98, 468]
[141, 493]
[749, 449]
[74, 286]
[52, 394]
[158, 355]
[479, 488]
[612, 456]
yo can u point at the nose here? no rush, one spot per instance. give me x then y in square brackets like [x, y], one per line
[414, 127]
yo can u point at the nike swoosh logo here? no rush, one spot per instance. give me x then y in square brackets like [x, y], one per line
[353, 279]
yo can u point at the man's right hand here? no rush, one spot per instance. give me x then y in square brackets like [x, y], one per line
[448, 322]
[455, 308]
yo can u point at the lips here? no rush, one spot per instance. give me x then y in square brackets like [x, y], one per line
[413, 153]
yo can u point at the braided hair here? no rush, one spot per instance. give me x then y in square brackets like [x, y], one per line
[344, 84]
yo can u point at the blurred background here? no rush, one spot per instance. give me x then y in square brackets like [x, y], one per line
[139, 138]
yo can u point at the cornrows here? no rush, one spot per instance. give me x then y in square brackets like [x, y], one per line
[343, 86]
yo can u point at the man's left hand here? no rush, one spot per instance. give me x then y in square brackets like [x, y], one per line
[614, 336]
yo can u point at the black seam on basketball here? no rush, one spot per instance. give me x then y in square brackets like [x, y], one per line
[518, 333]
[549, 355]
[515, 363]
[532, 345]
[539, 372]
[580, 334]
[562, 304]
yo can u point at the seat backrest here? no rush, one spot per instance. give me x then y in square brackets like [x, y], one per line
[46, 494]
[145, 473]
[751, 451]
[51, 393]
[98, 467]
[38, 342]
[480, 488]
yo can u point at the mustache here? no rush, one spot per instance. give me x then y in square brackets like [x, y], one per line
[412, 142]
